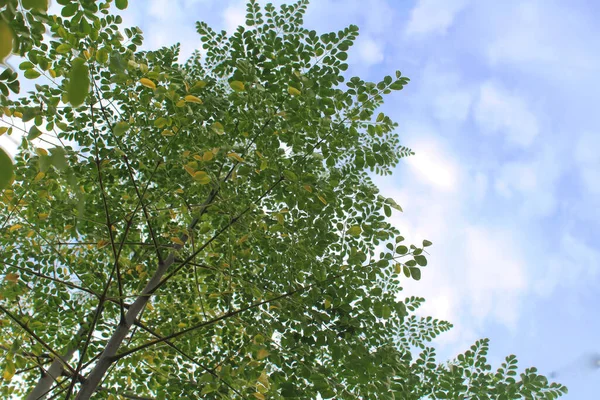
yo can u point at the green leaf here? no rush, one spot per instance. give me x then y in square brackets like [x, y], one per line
[102, 55]
[6, 41]
[386, 312]
[69, 10]
[79, 82]
[6, 169]
[63, 48]
[426, 243]
[290, 176]
[415, 272]
[31, 74]
[121, 4]
[41, 5]
[25, 65]
[355, 230]
[58, 158]
[421, 260]
[34, 133]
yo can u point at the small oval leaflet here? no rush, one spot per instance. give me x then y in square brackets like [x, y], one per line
[6, 169]
[6, 41]
[121, 4]
[237, 86]
[41, 5]
[293, 91]
[355, 230]
[193, 99]
[79, 82]
[148, 83]
[120, 128]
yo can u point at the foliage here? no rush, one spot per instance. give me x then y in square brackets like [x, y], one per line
[210, 228]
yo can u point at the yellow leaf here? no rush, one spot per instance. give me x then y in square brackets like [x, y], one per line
[3, 130]
[189, 170]
[41, 152]
[202, 177]
[308, 188]
[237, 86]
[167, 132]
[242, 239]
[259, 396]
[235, 156]
[18, 114]
[199, 85]
[160, 122]
[186, 153]
[15, 227]
[180, 103]
[397, 268]
[102, 243]
[197, 157]
[322, 199]
[179, 191]
[207, 156]
[30, 233]
[218, 128]
[178, 241]
[327, 304]
[263, 379]
[148, 83]
[8, 373]
[43, 215]
[193, 99]
[67, 227]
[262, 354]
[39, 177]
[293, 91]
[11, 277]
[52, 73]
[181, 325]
[149, 306]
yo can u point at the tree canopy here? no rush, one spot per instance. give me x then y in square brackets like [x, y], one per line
[209, 228]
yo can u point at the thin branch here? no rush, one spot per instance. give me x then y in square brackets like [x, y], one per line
[36, 337]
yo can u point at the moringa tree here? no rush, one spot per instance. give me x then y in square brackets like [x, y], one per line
[209, 229]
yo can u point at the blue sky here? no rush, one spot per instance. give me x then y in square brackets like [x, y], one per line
[501, 111]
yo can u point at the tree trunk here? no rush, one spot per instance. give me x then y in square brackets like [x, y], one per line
[50, 376]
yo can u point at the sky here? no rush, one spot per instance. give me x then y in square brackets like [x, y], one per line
[505, 181]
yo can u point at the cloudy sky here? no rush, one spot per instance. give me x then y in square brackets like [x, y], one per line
[501, 114]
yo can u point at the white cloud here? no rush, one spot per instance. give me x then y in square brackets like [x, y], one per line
[495, 277]
[573, 262]
[500, 111]
[433, 16]
[234, 16]
[445, 92]
[544, 37]
[434, 166]
[370, 51]
[532, 183]
[452, 105]
[587, 157]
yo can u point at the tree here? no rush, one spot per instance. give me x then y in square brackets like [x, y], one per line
[210, 228]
